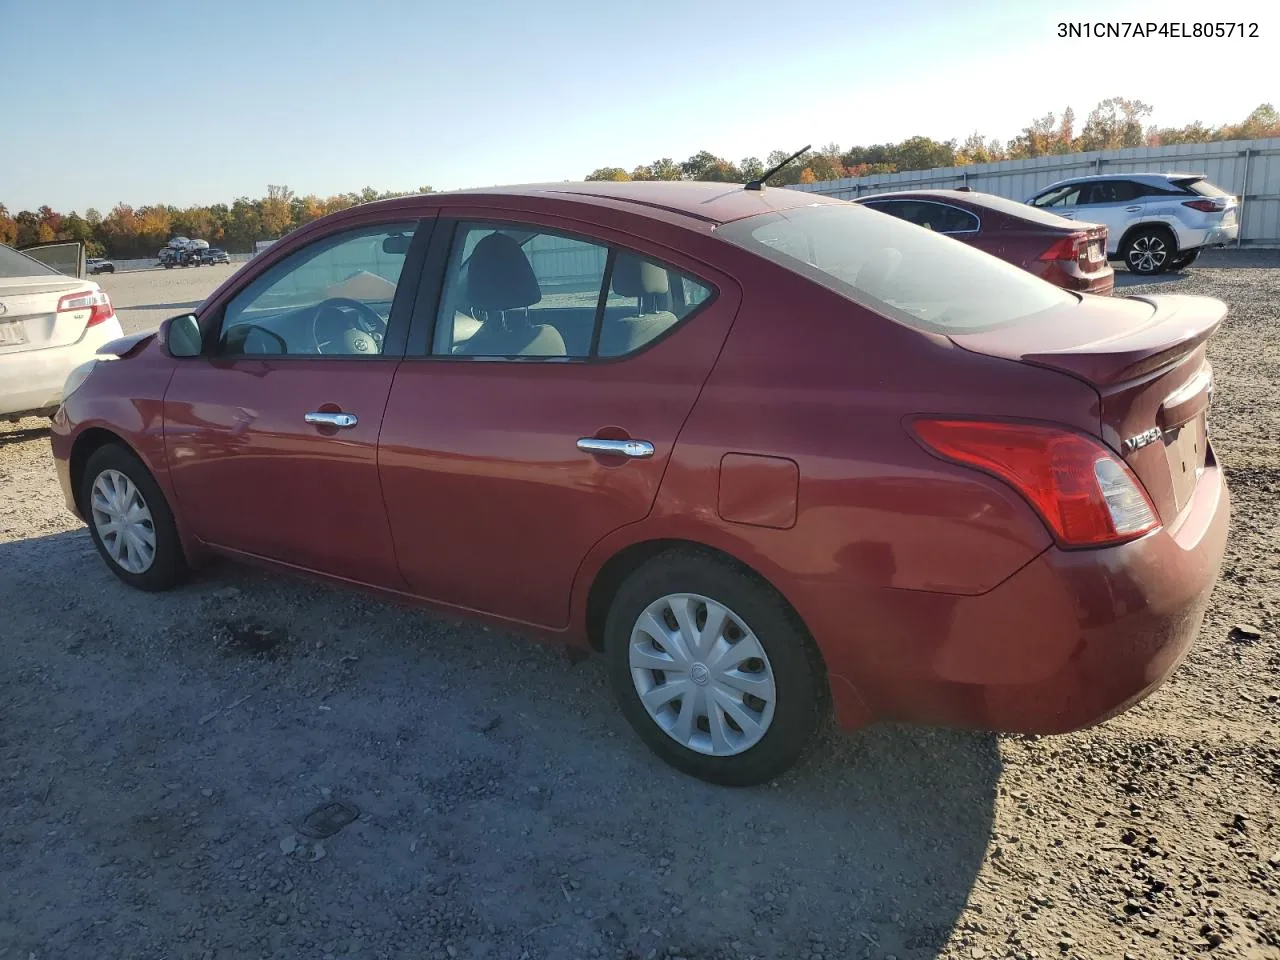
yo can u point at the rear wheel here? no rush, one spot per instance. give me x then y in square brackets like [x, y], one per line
[130, 520]
[1150, 250]
[1185, 260]
[712, 669]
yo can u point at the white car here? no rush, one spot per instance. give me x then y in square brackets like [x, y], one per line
[99, 265]
[1156, 221]
[50, 324]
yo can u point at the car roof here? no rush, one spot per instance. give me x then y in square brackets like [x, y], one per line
[714, 203]
[1152, 178]
[983, 202]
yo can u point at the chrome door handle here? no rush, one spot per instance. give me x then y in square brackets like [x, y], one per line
[331, 419]
[637, 449]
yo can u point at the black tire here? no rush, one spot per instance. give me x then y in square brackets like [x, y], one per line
[1150, 250]
[169, 565]
[1184, 260]
[798, 674]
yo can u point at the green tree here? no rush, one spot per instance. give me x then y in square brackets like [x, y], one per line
[609, 173]
[1115, 123]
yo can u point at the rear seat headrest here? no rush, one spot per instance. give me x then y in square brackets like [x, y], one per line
[499, 276]
[634, 277]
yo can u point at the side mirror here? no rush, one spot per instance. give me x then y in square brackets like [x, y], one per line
[181, 336]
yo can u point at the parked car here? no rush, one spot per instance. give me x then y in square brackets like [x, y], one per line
[50, 323]
[776, 455]
[214, 255]
[1066, 253]
[99, 265]
[1156, 221]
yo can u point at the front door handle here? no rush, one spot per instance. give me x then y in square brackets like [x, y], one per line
[1132, 209]
[636, 449]
[331, 419]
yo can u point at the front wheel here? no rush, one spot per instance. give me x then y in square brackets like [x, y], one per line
[130, 521]
[1150, 250]
[713, 670]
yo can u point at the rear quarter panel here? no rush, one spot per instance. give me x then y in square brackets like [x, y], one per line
[880, 525]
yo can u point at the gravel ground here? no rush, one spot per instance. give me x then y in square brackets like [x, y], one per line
[158, 755]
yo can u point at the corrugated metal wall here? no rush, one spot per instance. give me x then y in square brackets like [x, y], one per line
[1248, 168]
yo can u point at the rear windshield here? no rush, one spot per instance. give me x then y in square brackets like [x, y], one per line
[1203, 187]
[910, 274]
[15, 264]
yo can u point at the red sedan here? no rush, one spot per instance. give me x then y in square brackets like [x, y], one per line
[1065, 252]
[776, 456]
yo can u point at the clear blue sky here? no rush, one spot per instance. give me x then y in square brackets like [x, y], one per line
[199, 101]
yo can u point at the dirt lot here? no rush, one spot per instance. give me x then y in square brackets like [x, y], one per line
[157, 754]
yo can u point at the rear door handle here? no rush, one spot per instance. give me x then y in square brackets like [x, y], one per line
[331, 419]
[636, 449]
[1132, 209]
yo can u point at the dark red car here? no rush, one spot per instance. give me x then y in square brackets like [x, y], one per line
[1068, 253]
[775, 455]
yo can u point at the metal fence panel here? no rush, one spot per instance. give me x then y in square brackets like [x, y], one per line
[1248, 168]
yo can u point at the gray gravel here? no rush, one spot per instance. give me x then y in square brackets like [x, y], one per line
[158, 755]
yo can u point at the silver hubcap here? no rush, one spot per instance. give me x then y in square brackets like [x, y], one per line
[1147, 254]
[123, 521]
[702, 675]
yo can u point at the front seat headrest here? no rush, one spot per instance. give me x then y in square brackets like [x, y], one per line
[499, 276]
[634, 277]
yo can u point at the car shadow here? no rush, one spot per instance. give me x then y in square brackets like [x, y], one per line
[495, 777]
[22, 435]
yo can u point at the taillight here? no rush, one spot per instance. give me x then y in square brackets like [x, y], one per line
[1068, 248]
[1086, 495]
[1205, 206]
[95, 301]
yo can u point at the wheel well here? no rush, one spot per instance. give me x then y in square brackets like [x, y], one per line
[95, 438]
[1154, 225]
[630, 559]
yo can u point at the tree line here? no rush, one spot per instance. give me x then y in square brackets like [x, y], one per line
[1112, 124]
[129, 232]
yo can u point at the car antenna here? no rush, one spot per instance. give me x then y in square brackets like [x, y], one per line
[758, 182]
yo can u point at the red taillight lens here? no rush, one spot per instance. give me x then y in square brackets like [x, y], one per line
[1205, 206]
[1086, 495]
[1068, 248]
[96, 302]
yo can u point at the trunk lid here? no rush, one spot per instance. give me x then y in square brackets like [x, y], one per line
[1146, 359]
[29, 317]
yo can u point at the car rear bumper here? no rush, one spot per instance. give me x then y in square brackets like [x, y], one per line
[1211, 237]
[1069, 641]
[31, 380]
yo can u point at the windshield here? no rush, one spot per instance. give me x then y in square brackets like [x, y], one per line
[909, 274]
[15, 264]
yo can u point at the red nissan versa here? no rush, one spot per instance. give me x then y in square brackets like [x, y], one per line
[774, 455]
[1065, 252]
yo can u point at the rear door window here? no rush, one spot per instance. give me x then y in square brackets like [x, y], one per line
[1109, 191]
[521, 292]
[916, 277]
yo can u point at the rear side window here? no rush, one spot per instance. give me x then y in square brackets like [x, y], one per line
[517, 292]
[940, 217]
[916, 277]
[1110, 191]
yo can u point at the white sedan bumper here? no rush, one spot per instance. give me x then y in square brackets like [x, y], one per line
[31, 380]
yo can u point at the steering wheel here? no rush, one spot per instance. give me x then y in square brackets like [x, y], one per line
[365, 337]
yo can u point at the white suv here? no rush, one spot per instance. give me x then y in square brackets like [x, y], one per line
[1155, 221]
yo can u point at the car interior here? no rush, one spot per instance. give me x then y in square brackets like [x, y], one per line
[496, 306]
